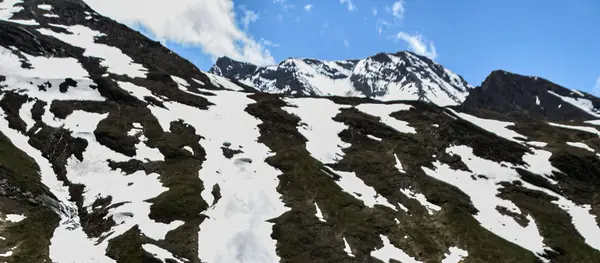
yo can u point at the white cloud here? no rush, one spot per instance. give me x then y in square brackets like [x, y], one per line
[308, 7]
[351, 5]
[596, 89]
[398, 9]
[374, 11]
[284, 4]
[382, 25]
[248, 17]
[209, 24]
[268, 43]
[347, 44]
[417, 45]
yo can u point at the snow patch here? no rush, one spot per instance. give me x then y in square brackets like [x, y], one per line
[373, 137]
[494, 126]
[319, 214]
[8, 8]
[579, 128]
[389, 251]
[455, 256]
[347, 248]
[45, 7]
[483, 193]
[236, 227]
[581, 145]
[14, 218]
[160, 253]
[431, 208]
[581, 103]
[112, 58]
[383, 111]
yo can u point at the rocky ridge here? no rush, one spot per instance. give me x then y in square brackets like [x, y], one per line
[385, 76]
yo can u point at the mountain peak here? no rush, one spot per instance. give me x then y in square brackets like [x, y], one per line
[532, 97]
[402, 75]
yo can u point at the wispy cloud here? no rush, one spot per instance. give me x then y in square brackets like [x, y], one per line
[418, 45]
[268, 43]
[382, 25]
[596, 89]
[208, 24]
[398, 9]
[248, 17]
[284, 4]
[347, 44]
[351, 6]
[324, 27]
[374, 11]
[308, 7]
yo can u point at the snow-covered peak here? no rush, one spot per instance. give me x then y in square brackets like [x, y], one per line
[385, 76]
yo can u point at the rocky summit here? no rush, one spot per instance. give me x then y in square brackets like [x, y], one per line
[400, 76]
[115, 149]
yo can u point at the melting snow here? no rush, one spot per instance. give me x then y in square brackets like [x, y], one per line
[326, 146]
[42, 67]
[160, 253]
[373, 137]
[383, 111]
[455, 256]
[14, 218]
[580, 128]
[347, 248]
[538, 162]
[493, 126]
[236, 229]
[45, 7]
[319, 214]
[483, 193]
[537, 144]
[581, 103]
[593, 122]
[112, 58]
[68, 233]
[223, 82]
[319, 128]
[8, 8]
[399, 164]
[100, 180]
[581, 145]
[351, 184]
[431, 208]
[389, 251]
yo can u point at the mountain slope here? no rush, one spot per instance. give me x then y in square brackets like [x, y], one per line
[115, 149]
[534, 97]
[398, 76]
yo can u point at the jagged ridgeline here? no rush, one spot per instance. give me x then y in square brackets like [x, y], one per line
[115, 149]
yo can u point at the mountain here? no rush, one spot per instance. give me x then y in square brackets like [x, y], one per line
[115, 149]
[532, 97]
[398, 76]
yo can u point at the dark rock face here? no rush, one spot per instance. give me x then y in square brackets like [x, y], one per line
[529, 97]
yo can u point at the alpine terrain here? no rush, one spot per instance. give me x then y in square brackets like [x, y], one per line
[403, 75]
[115, 149]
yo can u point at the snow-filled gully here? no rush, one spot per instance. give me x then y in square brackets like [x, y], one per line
[236, 227]
[326, 146]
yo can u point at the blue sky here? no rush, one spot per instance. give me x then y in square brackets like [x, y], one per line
[557, 40]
